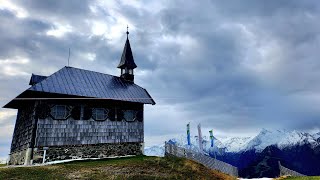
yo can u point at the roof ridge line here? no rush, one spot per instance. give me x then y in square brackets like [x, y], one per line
[93, 71]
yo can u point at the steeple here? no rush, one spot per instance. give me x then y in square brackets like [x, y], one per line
[127, 62]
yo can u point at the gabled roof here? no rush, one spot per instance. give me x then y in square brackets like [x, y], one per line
[127, 57]
[85, 83]
[36, 78]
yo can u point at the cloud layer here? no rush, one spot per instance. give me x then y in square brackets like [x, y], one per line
[236, 67]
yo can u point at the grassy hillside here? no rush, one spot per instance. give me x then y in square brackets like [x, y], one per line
[139, 167]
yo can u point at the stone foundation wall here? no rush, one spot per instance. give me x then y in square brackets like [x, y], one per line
[18, 157]
[87, 151]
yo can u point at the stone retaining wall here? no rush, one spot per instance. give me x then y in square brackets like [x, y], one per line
[87, 151]
[18, 157]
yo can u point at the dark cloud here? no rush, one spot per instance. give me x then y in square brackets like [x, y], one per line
[216, 87]
[235, 66]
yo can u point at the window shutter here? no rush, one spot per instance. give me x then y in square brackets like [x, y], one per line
[76, 112]
[87, 113]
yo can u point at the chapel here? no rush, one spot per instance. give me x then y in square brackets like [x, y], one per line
[77, 113]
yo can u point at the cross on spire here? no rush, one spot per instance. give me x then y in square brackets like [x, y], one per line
[127, 31]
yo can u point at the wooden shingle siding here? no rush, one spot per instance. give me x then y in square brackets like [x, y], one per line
[23, 129]
[71, 132]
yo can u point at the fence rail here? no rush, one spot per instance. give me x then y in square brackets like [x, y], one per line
[171, 149]
[285, 171]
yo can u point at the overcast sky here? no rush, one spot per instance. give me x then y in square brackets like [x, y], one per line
[233, 66]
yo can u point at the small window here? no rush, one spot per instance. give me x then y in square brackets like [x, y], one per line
[99, 114]
[122, 71]
[130, 71]
[129, 115]
[60, 112]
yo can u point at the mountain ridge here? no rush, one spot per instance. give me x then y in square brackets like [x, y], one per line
[258, 156]
[280, 138]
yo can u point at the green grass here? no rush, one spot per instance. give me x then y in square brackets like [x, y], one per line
[138, 167]
[2, 165]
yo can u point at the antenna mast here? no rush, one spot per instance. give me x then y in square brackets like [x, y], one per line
[69, 58]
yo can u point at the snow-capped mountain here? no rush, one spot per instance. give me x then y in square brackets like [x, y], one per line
[316, 135]
[296, 149]
[181, 141]
[235, 144]
[157, 150]
[280, 138]
[194, 140]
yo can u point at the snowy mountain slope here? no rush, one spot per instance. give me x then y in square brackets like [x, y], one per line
[181, 141]
[295, 148]
[235, 144]
[280, 138]
[232, 144]
[316, 135]
[157, 150]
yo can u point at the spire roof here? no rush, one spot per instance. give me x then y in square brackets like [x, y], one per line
[127, 57]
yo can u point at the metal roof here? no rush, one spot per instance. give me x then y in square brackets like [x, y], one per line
[127, 57]
[85, 83]
[36, 78]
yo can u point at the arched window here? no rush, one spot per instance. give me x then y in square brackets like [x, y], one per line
[130, 71]
[99, 114]
[60, 112]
